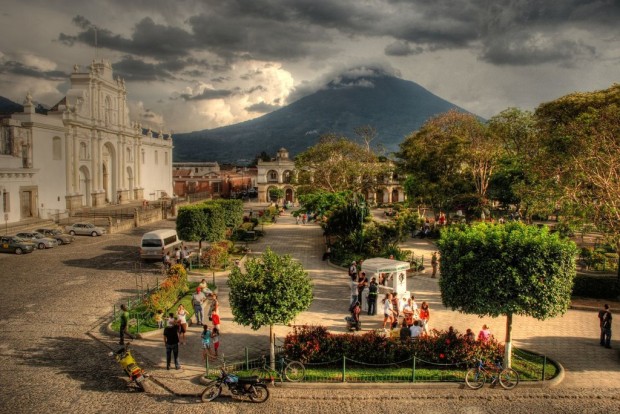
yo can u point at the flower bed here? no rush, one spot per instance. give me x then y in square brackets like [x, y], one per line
[315, 344]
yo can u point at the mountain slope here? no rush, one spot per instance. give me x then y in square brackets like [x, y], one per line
[393, 106]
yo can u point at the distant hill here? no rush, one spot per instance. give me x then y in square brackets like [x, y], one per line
[8, 107]
[393, 106]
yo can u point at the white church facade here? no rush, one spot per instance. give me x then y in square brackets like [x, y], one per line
[84, 153]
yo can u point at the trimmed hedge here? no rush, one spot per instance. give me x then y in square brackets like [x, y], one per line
[599, 287]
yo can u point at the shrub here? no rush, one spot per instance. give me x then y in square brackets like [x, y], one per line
[315, 344]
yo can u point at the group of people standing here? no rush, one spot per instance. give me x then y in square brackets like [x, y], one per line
[180, 256]
[415, 318]
[176, 326]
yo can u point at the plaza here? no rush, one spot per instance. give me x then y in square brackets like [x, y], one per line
[57, 306]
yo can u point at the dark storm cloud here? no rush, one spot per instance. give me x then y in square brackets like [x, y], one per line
[148, 39]
[504, 32]
[402, 48]
[262, 108]
[529, 32]
[208, 94]
[17, 68]
[132, 69]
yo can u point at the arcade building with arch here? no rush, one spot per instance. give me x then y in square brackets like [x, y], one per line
[85, 152]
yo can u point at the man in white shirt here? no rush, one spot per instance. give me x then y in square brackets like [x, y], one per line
[416, 329]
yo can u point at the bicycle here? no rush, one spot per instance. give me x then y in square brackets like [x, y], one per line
[294, 371]
[476, 377]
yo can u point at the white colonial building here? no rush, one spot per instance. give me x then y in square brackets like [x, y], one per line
[84, 153]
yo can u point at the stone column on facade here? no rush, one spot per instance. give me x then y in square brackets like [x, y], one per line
[76, 163]
[122, 162]
[138, 171]
[68, 162]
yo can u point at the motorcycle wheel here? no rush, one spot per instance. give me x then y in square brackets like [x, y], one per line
[212, 391]
[259, 393]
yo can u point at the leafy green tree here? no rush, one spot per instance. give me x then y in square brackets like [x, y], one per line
[580, 159]
[434, 159]
[514, 181]
[201, 222]
[191, 223]
[276, 194]
[322, 202]
[337, 164]
[273, 290]
[512, 269]
[232, 211]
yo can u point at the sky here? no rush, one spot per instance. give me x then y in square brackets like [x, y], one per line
[199, 64]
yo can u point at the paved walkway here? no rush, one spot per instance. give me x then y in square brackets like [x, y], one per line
[571, 339]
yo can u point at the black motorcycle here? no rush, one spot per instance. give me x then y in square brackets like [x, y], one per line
[250, 387]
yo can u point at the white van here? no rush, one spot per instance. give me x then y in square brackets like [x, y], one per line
[155, 244]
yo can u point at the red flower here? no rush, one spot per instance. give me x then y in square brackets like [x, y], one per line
[441, 356]
[447, 342]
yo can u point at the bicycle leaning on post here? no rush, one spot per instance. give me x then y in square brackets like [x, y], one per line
[476, 377]
[294, 371]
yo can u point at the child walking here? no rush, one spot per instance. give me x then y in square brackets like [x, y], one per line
[216, 339]
[206, 342]
[159, 318]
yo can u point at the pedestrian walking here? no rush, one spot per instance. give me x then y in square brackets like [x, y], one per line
[353, 292]
[124, 324]
[171, 339]
[434, 264]
[206, 342]
[215, 336]
[182, 321]
[605, 318]
[362, 283]
[373, 289]
[198, 301]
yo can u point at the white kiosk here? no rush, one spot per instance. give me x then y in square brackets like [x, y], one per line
[394, 271]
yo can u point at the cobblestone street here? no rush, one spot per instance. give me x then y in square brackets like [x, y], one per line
[54, 349]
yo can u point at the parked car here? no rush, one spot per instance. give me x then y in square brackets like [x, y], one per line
[38, 239]
[85, 229]
[61, 238]
[13, 244]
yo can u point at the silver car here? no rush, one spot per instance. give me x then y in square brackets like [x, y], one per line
[61, 238]
[85, 229]
[38, 239]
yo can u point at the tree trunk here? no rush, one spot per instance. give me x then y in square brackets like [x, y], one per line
[508, 341]
[272, 349]
[618, 273]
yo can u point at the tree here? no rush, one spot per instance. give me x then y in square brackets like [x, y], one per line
[201, 222]
[514, 181]
[337, 164]
[434, 159]
[322, 202]
[276, 193]
[273, 290]
[512, 269]
[232, 211]
[580, 161]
